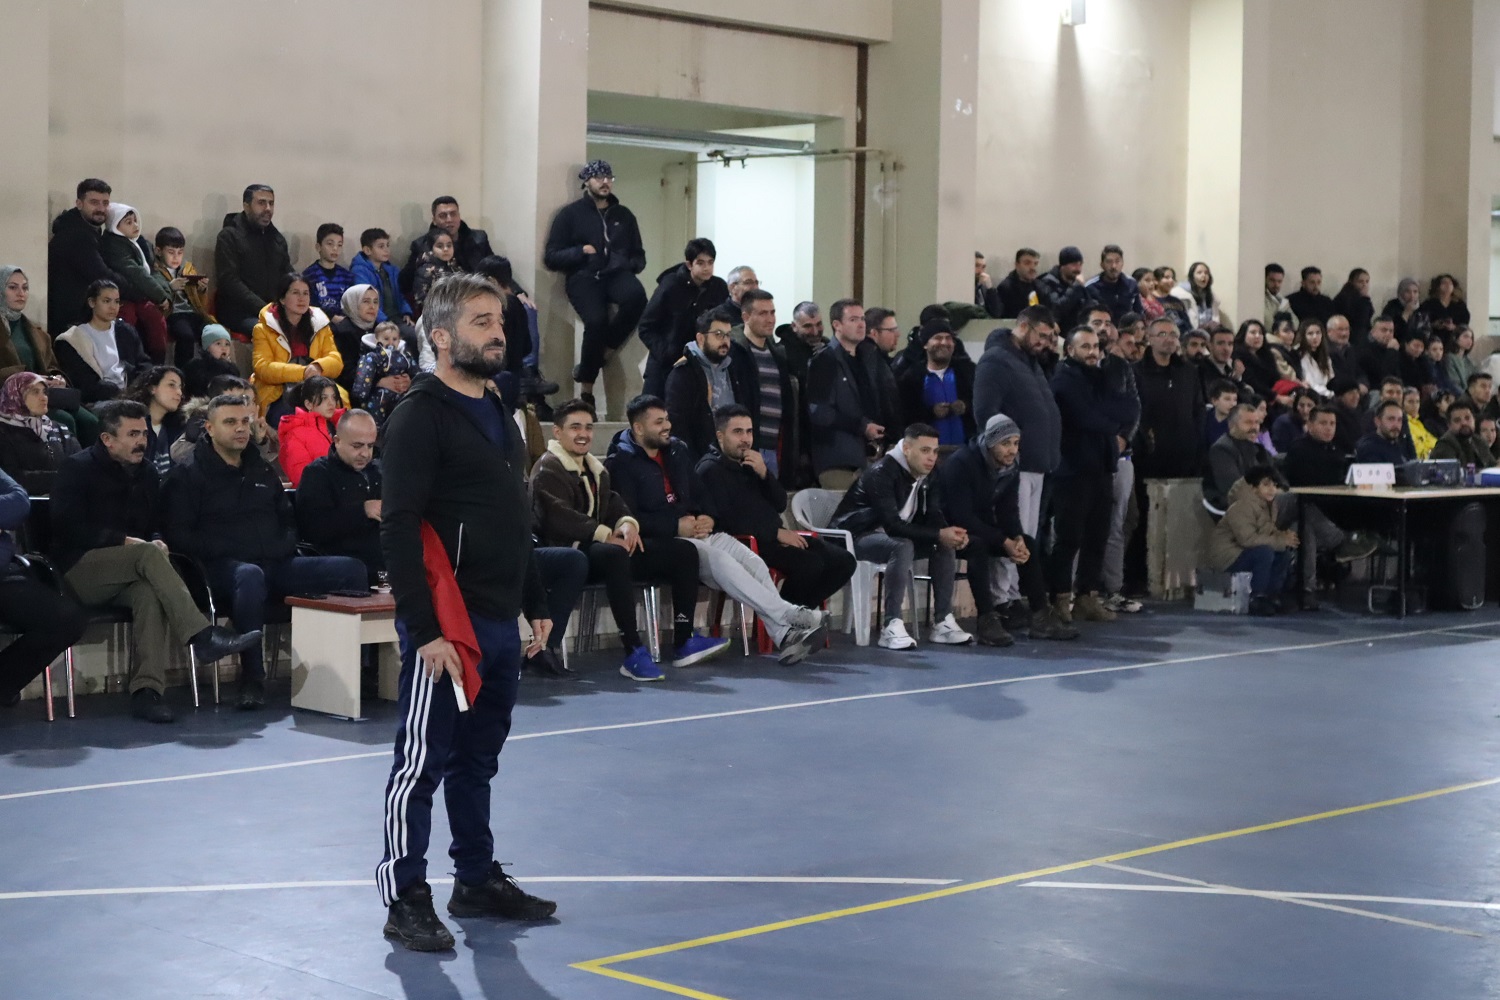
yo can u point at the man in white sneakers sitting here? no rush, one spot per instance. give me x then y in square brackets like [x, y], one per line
[895, 514]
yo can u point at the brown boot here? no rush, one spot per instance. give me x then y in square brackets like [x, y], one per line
[1089, 608]
[1062, 608]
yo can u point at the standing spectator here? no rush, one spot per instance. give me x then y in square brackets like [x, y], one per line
[801, 339]
[1220, 365]
[703, 380]
[328, 278]
[1121, 351]
[73, 258]
[741, 279]
[1445, 309]
[26, 347]
[1353, 303]
[1112, 286]
[1379, 359]
[521, 338]
[1462, 443]
[1172, 402]
[1308, 301]
[1274, 302]
[372, 266]
[188, 314]
[1405, 310]
[439, 262]
[851, 398]
[44, 622]
[100, 357]
[385, 372]
[32, 444]
[250, 260]
[1066, 293]
[1247, 539]
[293, 341]
[360, 307]
[683, 293]
[596, 243]
[146, 296]
[1341, 354]
[1422, 439]
[1458, 364]
[217, 359]
[338, 499]
[470, 246]
[881, 327]
[1196, 294]
[894, 510]
[306, 433]
[1018, 289]
[771, 394]
[940, 392]
[159, 391]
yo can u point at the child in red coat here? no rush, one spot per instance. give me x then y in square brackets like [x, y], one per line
[306, 433]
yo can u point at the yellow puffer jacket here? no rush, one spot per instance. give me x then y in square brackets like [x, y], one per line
[272, 368]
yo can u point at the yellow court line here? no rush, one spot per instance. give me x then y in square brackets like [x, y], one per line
[601, 966]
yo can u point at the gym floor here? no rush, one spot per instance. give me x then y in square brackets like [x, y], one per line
[1176, 806]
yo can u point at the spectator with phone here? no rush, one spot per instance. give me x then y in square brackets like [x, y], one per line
[187, 312]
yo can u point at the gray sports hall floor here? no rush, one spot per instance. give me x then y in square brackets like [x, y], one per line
[1176, 807]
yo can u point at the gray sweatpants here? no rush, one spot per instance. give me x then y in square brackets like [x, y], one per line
[726, 564]
[899, 556]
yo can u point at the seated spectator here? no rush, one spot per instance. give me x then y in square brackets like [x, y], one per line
[327, 278]
[1346, 396]
[1066, 294]
[438, 262]
[1445, 309]
[1481, 392]
[1344, 358]
[1417, 370]
[573, 503]
[1435, 412]
[1315, 459]
[941, 391]
[750, 501]
[470, 246]
[73, 258]
[894, 510]
[1308, 301]
[772, 395]
[1353, 303]
[385, 371]
[1291, 425]
[360, 307]
[26, 347]
[522, 338]
[338, 497]
[100, 357]
[228, 510]
[1247, 540]
[1436, 361]
[1219, 364]
[250, 261]
[1315, 366]
[1018, 289]
[372, 266]
[1112, 286]
[1458, 362]
[106, 530]
[851, 397]
[1145, 283]
[1262, 410]
[195, 418]
[1422, 439]
[32, 444]
[1386, 443]
[1405, 311]
[217, 359]
[1488, 431]
[704, 379]
[307, 432]
[187, 312]
[1196, 293]
[1222, 399]
[1273, 302]
[293, 341]
[1254, 356]
[683, 293]
[1380, 358]
[44, 622]
[145, 296]
[1462, 443]
[653, 473]
[1282, 340]
[1232, 454]
[1195, 346]
[159, 390]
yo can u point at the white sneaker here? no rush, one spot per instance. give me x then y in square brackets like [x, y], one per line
[948, 633]
[1119, 602]
[895, 636]
[805, 617]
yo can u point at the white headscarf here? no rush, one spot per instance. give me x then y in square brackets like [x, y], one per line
[117, 212]
[350, 304]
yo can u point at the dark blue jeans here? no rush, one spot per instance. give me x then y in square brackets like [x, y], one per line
[244, 588]
[564, 571]
[436, 742]
[1267, 568]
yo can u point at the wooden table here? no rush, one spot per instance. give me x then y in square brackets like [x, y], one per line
[327, 635]
[1399, 497]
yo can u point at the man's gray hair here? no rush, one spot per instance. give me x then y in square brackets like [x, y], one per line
[805, 310]
[445, 301]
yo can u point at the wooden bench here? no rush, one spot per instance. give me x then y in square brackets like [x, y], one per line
[327, 635]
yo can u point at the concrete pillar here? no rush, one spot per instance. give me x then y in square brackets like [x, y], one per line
[534, 101]
[1216, 48]
[23, 156]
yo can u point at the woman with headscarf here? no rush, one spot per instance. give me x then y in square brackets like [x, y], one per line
[1405, 311]
[26, 347]
[361, 306]
[145, 296]
[32, 444]
[292, 341]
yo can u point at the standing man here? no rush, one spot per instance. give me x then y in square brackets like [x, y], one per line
[741, 279]
[881, 326]
[470, 246]
[941, 392]
[1172, 405]
[596, 243]
[1112, 286]
[984, 285]
[1309, 302]
[851, 397]
[456, 459]
[1063, 290]
[250, 258]
[704, 379]
[801, 339]
[1019, 288]
[1275, 302]
[683, 293]
[769, 391]
[73, 259]
[1220, 365]
[1120, 351]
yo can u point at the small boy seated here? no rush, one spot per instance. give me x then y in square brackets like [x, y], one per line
[217, 359]
[436, 263]
[188, 313]
[385, 371]
[327, 278]
[1246, 540]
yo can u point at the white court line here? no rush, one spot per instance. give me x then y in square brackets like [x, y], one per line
[1455, 904]
[369, 883]
[846, 699]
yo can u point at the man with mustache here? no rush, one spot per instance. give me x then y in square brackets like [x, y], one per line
[106, 525]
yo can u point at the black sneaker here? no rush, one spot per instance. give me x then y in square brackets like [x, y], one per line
[149, 705]
[1015, 616]
[498, 896]
[412, 921]
[252, 694]
[1263, 607]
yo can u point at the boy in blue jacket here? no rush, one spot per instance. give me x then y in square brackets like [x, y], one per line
[372, 266]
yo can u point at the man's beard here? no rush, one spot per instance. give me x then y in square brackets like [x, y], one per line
[473, 361]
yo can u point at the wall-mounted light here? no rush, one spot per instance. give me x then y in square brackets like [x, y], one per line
[1074, 12]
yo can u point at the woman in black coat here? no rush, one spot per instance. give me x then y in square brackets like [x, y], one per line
[1250, 350]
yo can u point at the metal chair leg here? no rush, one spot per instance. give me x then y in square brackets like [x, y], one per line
[747, 620]
[68, 668]
[653, 620]
[193, 672]
[47, 680]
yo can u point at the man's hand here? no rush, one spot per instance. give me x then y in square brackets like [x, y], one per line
[687, 526]
[941, 410]
[1016, 550]
[438, 657]
[541, 628]
[985, 281]
[756, 462]
[1239, 368]
[372, 509]
[525, 299]
[953, 537]
[958, 407]
[704, 526]
[874, 432]
[588, 250]
[1292, 541]
[790, 538]
[260, 430]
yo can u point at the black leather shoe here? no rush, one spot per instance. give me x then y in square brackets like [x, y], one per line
[1263, 607]
[150, 706]
[549, 664]
[217, 642]
[412, 921]
[252, 694]
[498, 896]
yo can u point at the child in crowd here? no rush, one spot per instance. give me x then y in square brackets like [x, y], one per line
[307, 432]
[1246, 540]
[1223, 398]
[327, 278]
[385, 360]
[188, 314]
[217, 359]
[373, 267]
[145, 297]
[435, 263]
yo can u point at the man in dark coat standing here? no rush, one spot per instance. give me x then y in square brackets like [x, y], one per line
[683, 293]
[250, 257]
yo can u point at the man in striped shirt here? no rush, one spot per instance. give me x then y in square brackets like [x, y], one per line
[773, 400]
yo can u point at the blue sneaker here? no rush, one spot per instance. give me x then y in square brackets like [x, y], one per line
[639, 665]
[697, 649]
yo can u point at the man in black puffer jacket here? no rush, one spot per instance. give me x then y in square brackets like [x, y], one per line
[470, 246]
[683, 293]
[250, 257]
[73, 258]
[338, 499]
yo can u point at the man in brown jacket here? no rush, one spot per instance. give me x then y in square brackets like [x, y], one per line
[572, 504]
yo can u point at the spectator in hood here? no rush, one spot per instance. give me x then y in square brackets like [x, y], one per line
[146, 297]
[327, 278]
[940, 392]
[704, 379]
[385, 372]
[683, 293]
[1112, 286]
[250, 258]
[74, 261]
[1405, 310]
[1065, 293]
[596, 243]
[470, 246]
[100, 357]
[1308, 301]
[1353, 303]
[1019, 288]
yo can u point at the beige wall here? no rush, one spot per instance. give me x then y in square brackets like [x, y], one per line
[861, 20]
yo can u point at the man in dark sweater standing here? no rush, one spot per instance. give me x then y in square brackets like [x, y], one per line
[455, 460]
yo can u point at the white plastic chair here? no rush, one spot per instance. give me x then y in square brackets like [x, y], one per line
[813, 510]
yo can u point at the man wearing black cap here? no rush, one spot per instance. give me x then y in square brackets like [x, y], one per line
[596, 242]
[1061, 289]
[940, 392]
